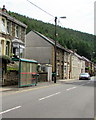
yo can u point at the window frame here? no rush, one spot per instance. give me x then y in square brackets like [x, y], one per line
[9, 26]
[3, 25]
[17, 31]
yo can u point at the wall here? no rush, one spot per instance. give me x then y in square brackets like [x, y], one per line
[77, 66]
[10, 78]
[60, 63]
[67, 65]
[38, 48]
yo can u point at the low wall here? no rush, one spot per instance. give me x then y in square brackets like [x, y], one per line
[10, 78]
[43, 77]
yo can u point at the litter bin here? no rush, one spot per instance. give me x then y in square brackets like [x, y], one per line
[53, 76]
[35, 78]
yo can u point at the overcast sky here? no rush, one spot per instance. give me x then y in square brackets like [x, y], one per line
[79, 13]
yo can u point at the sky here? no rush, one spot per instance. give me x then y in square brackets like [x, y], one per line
[79, 13]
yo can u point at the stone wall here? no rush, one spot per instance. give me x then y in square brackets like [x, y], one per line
[10, 78]
[43, 77]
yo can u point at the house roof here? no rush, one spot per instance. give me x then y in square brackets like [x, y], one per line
[51, 41]
[5, 14]
[80, 57]
[84, 58]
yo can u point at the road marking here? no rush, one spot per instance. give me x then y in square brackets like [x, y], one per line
[50, 96]
[9, 110]
[71, 88]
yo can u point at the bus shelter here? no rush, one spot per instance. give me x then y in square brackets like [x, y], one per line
[27, 72]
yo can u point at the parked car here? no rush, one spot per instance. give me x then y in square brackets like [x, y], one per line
[84, 76]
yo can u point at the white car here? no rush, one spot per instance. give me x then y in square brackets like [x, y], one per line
[84, 76]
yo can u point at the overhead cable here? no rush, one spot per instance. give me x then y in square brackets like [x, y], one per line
[40, 8]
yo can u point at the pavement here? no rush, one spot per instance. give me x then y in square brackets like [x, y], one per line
[39, 84]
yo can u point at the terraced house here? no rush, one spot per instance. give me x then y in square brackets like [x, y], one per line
[12, 38]
[77, 65]
[41, 48]
[69, 63]
[12, 34]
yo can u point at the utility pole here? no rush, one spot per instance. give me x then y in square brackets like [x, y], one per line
[55, 59]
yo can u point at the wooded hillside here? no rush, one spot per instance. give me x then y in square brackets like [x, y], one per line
[83, 43]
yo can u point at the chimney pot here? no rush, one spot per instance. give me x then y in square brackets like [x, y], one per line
[4, 9]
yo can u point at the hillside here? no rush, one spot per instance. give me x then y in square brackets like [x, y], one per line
[71, 39]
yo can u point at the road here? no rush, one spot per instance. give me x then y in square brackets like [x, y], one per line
[72, 99]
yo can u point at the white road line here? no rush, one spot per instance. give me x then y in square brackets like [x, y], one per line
[71, 88]
[49, 96]
[9, 110]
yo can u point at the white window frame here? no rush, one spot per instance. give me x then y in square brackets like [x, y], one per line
[7, 48]
[3, 25]
[9, 26]
[17, 31]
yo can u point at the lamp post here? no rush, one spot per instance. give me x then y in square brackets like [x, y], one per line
[55, 59]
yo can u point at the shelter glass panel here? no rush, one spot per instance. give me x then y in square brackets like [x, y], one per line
[23, 73]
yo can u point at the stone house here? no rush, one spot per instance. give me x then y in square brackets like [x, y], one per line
[77, 65]
[12, 34]
[73, 65]
[92, 68]
[67, 64]
[87, 64]
[41, 48]
[95, 69]
[12, 38]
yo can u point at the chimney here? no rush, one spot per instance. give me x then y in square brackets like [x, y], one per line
[4, 9]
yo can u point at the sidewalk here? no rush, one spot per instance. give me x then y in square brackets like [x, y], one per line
[39, 84]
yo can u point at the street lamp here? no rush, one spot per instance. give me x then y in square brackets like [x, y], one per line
[55, 59]
[92, 56]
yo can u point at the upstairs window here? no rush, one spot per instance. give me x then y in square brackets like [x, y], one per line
[8, 27]
[16, 31]
[3, 26]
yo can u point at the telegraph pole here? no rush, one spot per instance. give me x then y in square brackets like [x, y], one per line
[55, 58]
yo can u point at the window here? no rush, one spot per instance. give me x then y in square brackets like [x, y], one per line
[58, 68]
[17, 31]
[2, 47]
[8, 27]
[7, 47]
[3, 26]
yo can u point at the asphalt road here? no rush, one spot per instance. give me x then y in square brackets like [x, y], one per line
[73, 99]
